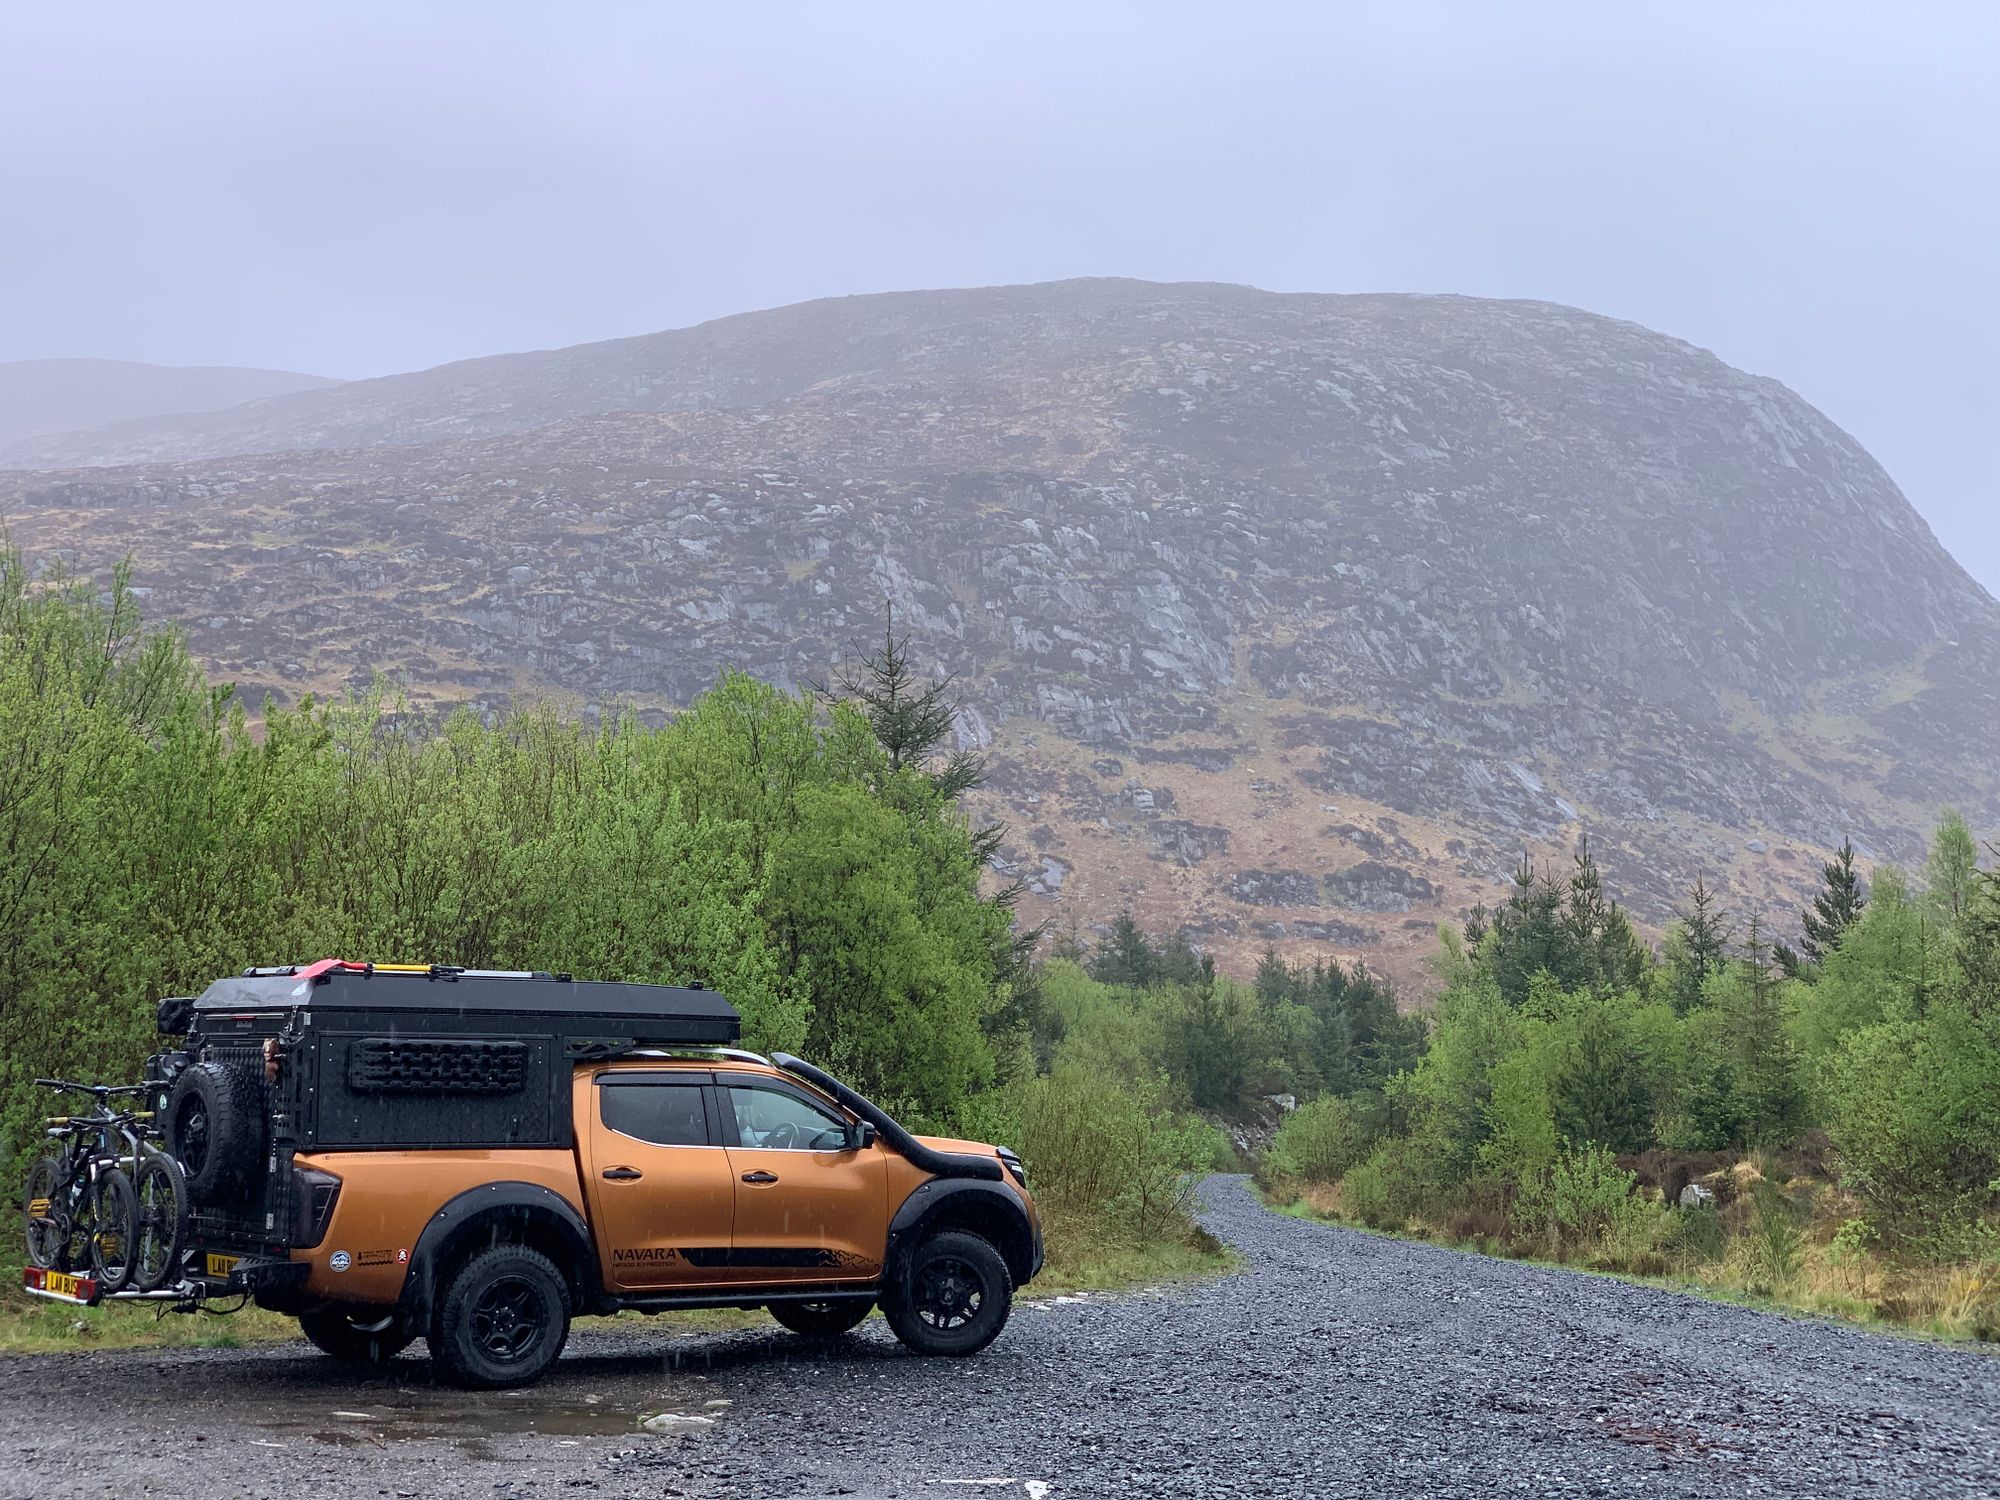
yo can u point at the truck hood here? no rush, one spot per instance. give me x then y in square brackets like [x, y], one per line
[966, 1148]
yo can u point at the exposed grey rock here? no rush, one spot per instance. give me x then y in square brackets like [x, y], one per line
[1374, 886]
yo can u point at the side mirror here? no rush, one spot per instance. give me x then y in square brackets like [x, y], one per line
[860, 1136]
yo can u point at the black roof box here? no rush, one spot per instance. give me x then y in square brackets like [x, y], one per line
[425, 997]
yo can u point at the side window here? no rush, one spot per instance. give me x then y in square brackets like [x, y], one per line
[656, 1110]
[779, 1121]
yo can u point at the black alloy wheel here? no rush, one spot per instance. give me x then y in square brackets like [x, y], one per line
[508, 1317]
[948, 1293]
[952, 1295]
[191, 1141]
[502, 1321]
[216, 1127]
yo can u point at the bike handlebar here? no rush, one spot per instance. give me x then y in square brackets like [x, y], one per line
[98, 1090]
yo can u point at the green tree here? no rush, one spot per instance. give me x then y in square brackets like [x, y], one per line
[1701, 949]
[1125, 955]
[1602, 1094]
[1764, 1068]
[1837, 906]
[913, 717]
[1951, 869]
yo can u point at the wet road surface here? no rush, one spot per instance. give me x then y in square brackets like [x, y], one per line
[1333, 1363]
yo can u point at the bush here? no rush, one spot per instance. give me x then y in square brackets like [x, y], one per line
[1319, 1142]
[1113, 1157]
[1576, 1203]
[1386, 1189]
[1914, 1111]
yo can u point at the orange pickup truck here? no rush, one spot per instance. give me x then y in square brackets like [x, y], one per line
[472, 1158]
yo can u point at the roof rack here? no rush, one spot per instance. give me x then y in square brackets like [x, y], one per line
[433, 971]
[732, 1054]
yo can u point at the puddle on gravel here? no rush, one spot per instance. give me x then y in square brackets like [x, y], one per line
[471, 1423]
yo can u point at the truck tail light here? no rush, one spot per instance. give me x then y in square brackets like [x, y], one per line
[314, 1194]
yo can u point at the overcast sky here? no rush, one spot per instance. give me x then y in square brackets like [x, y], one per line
[1813, 191]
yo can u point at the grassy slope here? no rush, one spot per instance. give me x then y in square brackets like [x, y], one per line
[1937, 1303]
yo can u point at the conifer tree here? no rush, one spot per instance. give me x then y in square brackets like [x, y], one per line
[1478, 922]
[912, 717]
[1704, 947]
[1274, 980]
[1765, 1071]
[1125, 956]
[1836, 908]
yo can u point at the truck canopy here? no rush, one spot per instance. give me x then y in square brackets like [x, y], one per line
[398, 999]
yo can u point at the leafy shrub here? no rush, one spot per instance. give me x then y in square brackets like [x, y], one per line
[1639, 1240]
[1852, 1248]
[1388, 1187]
[1577, 1201]
[1113, 1156]
[1914, 1111]
[1319, 1142]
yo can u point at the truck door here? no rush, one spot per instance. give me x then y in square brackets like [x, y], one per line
[808, 1208]
[662, 1191]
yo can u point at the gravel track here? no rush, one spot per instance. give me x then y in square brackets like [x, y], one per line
[1333, 1363]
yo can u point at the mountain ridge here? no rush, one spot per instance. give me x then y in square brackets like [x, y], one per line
[49, 398]
[1296, 618]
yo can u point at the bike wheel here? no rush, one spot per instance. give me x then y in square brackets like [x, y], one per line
[163, 1221]
[114, 1230]
[41, 1214]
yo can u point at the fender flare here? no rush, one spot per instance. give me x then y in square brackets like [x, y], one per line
[965, 1199]
[491, 1207]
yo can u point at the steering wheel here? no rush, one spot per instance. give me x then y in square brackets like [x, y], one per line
[782, 1137]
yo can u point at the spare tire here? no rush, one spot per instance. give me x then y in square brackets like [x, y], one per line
[215, 1128]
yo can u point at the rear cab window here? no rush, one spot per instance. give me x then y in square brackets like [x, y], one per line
[658, 1108]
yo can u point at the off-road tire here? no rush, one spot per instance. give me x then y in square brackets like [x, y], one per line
[114, 1237]
[823, 1320]
[215, 1128]
[163, 1221]
[951, 1295]
[502, 1321]
[356, 1338]
[48, 1232]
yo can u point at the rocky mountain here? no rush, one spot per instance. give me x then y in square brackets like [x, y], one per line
[1296, 619]
[42, 399]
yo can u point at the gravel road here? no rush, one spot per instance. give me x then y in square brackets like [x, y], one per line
[1334, 1363]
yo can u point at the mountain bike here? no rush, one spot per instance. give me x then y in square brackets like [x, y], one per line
[109, 1199]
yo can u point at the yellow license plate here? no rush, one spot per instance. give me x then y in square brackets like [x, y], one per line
[222, 1265]
[59, 1284]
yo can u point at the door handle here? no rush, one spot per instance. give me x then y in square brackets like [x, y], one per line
[760, 1178]
[622, 1174]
